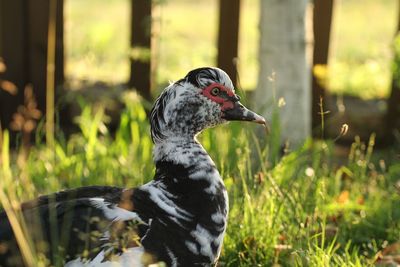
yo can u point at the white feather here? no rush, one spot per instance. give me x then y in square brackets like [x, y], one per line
[164, 200]
[174, 260]
[115, 213]
[204, 238]
[132, 257]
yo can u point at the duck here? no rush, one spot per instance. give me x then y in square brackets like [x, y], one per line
[179, 218]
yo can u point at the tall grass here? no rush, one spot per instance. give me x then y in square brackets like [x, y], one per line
[303, 209]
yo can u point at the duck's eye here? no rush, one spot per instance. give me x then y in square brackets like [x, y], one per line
[215, 91]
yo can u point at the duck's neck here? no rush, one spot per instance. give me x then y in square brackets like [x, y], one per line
[188, 180]
[185, 158]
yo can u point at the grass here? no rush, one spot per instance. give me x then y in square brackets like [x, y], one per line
[361, 56]
[97, 42]
[302, 209]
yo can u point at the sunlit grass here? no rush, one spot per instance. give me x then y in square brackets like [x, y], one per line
[361, 47]
[97, 40]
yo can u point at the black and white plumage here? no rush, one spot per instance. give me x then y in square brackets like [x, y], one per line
[178, 218]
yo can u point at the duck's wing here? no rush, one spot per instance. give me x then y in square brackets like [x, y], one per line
[85, 224]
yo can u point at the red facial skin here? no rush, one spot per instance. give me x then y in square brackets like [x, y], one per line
[223, 98]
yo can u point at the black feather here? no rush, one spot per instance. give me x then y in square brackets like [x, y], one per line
[202, 77]
[157, 115]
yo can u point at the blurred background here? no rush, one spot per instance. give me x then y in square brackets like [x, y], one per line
[105, 47]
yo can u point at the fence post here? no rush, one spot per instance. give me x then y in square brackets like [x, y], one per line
[228, 37]
[13, 51]
[322, 20]
[140, 56]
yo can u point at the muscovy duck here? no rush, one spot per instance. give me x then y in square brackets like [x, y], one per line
[178, 218]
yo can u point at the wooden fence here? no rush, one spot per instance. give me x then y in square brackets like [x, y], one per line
[23, 47]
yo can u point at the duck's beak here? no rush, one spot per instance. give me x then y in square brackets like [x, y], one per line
[240, 113]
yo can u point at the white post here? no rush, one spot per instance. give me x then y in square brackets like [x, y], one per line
[283, 52]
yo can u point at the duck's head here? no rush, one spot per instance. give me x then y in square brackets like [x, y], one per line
[205, 97]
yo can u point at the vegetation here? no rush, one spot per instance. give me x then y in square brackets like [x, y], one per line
[360, 62]
[305, 208]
